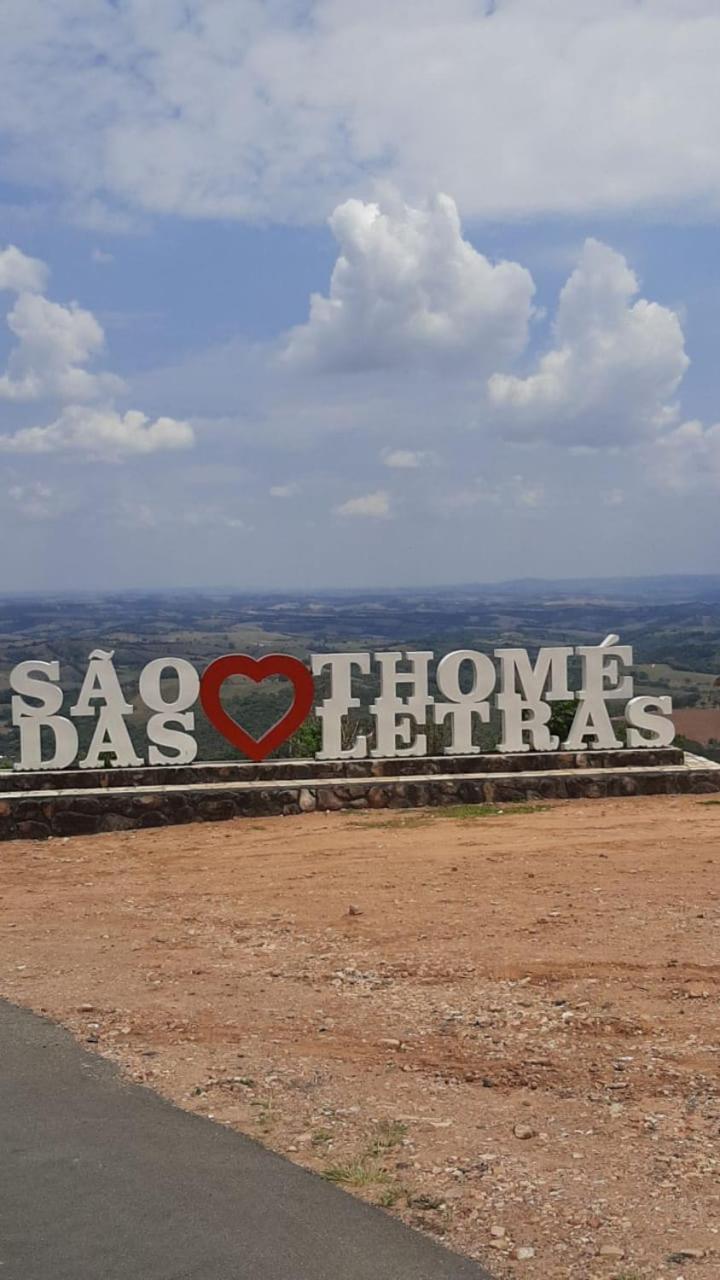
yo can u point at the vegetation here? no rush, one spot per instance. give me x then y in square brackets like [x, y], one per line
[357, 1173]
[560, 723]
[367, 1168]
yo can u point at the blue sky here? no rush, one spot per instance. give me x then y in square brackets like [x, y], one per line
[301, 294]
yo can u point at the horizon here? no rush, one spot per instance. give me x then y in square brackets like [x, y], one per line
[434, 587]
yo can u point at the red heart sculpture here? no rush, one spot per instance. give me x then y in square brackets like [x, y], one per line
[257, 669]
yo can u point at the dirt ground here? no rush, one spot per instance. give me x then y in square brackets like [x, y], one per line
[502, 1028]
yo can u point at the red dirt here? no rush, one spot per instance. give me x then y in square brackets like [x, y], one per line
[554, 974]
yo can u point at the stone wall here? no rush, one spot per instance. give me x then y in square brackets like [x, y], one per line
[67, 812]
[297, 770]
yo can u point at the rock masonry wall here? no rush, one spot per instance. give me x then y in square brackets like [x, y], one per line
[66, 812]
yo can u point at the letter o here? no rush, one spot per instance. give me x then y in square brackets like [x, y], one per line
[150, 687]
[448, 676]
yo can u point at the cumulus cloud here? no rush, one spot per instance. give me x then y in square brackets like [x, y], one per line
[615, 366]
[100, 434]
[250, 110]
[19, 273]
[370, 505]
[54, 343]
[408, 289]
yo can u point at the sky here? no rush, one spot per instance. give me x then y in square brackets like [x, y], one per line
[305, 293]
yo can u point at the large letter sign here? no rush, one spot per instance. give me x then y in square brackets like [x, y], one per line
[470, 686]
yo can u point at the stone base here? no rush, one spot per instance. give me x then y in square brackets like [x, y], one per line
[36, 806]
[208, 771]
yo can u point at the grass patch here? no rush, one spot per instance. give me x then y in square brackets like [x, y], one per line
[415, 820]
[321, 1137]
[357, 1173]
[461, 813]
[710, 801]
[388, 1134]
[389, 1196]
[265, 1117]
[465, 811]
[367, 1169]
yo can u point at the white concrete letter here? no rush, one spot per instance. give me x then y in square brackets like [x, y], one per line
[398, 717]
[525, 712]
[592, 720]
[111, 737]
[100, 682]
[64, 733]
[150, 684]
[35, 680]
[651, 715]
[601, 671]
[463, 706]
[179, 740]
[332, 710]
[24, 681]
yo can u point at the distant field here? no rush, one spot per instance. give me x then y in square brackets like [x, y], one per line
[700, 724]
[670, 678]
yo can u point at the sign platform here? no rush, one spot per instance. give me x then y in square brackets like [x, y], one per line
[85, 802]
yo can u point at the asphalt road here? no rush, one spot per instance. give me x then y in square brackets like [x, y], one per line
[103, 1180]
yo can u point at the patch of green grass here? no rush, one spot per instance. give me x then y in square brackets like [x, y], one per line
[415, 820]
[265, 1117]
[710, 801]
[465, 811]
[388, 1134]
[389, 1196]
[461, 812]
[320, 1137]
[357, 1173]
[367, 1169]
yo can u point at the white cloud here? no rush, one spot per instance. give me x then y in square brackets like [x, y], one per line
[613, 498]
[243, 109]
[514, 492]
[102, 257]
[54, 342]
[370, 505]
[19, 273]
[100, 434]
[37, 501]
[615, 367]
[687, 459]
[284, 490]
[209, 517]
[405, 459]
[407, 289]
